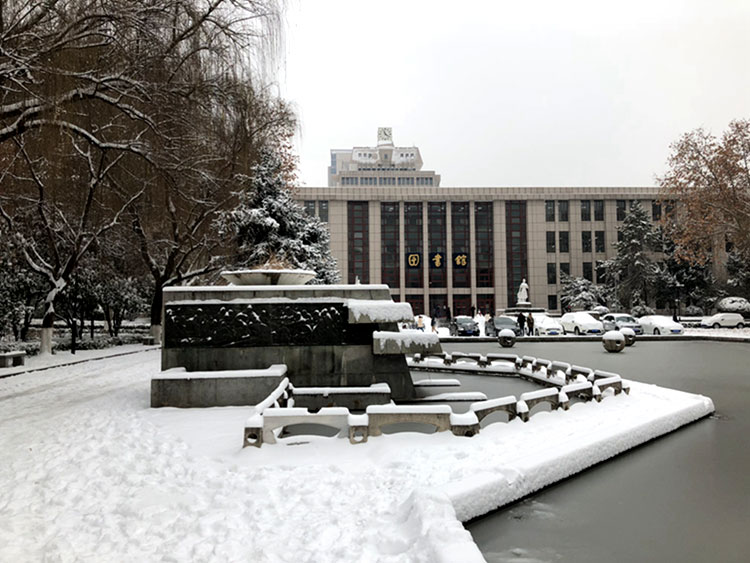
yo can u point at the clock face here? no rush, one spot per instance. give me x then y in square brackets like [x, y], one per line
[384, 134]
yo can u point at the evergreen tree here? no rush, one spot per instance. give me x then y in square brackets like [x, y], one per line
[580, 293]
[632, 272]
[269, 228]
[693, 284]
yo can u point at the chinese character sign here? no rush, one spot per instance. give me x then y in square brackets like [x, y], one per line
[460, 260]
[437, 260]
[414, 260]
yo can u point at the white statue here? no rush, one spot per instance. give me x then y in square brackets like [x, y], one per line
[523, 292]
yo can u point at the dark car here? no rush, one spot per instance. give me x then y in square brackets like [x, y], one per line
[497, 324]
[464, 326]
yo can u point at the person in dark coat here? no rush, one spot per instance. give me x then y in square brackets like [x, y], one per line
[521, 323]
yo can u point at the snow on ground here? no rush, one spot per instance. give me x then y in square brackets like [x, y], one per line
[91, 473]
[719, 332]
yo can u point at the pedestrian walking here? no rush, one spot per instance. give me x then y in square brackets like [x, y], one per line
[521, 323]
[530, 324]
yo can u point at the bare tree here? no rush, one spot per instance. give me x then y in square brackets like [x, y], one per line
[709, 179]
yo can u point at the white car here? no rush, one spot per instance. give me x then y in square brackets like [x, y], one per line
[546, 325]
[581, 323]
[660, 324]
[723, 320]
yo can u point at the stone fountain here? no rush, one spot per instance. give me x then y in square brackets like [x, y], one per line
[233, 344]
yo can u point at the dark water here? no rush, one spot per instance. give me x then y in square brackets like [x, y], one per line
[684, 497]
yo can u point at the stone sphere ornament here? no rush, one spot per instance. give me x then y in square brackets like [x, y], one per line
[613, 341]
[629, 335]
[506, 338]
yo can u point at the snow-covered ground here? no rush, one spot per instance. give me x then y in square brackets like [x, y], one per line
[91, 473]
[719, 332]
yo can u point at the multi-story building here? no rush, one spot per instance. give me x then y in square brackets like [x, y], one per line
[382, 165]
[460, 246]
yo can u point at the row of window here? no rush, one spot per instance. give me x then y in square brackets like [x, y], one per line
[309, 206]
[462, 305]
[587, 271]
[386, 181]
[621, 206]
[563, 238]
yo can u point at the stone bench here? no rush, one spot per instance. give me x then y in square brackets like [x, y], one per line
[575, 371]
[614, 382]
[383, 415]
[512, 358]
[353, 398]
[554, 368]
[15, 358]
[527, 361]
[148, 340]
[273, 419]
[583, 389]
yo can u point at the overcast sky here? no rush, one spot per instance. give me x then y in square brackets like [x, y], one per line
[523, 93]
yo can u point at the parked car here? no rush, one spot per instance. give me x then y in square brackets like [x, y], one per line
[463, 326]
[723, 320]
[496, 324]
[616, 321]
[660, 324]
[546, 325]
[581, 323]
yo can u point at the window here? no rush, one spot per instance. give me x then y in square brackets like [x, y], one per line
[486, 303]
[413, 244]
[562, 210]
[588, 271]
[599, 241]
[310, 208]
[323, 211]
[516, 250]
[359, 246]
[586, 241]
[550, 241]
[620, 236]
[551, 273]
[655, 211]
[460, 228]
[585, 210]
[461, 304]
[564, 269]
[390, 263]
[436, 243]
[600, 272]
[484, 262]
[621, 209]
[564, 237]
[552, 302]
[416, 302]
[549, 210]
[598, 210]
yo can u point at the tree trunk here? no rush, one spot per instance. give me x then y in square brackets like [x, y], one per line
[73, 336]
[48, 322]
[92, 326]
[156, 306]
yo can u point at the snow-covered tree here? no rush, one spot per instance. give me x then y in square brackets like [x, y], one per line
[632, 271]
[679, 279]
[738, 271]
[269, 228]
[580, 293]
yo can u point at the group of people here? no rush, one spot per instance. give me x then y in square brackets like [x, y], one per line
[526, 324]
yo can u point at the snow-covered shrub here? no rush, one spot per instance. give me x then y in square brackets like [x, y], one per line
[693, 311]
[641, 311]
[733, 305]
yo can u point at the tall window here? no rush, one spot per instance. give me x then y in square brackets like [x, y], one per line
[551, 273]
[585, 210]
[564, 237]
[588, 271]
[550, 241]
[390, 263]
[460, 228]
[598, 210]
[438, 304]
[515, 246]
[549, 210]
[416, 302]
[323, 211]
[484, 249]
[586, 241]
[564, 269]
[359, 246]
[461, 304]
[413, 244]
[309, 206]
[599, 241]
[552, 302]
[562, 210]
[621, 209]
[655, 211]
[438, 258]
[601, 273]
[486, 303]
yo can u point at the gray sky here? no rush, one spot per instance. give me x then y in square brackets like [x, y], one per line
[525, 93]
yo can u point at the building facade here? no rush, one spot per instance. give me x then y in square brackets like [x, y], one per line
[381, 165]
[472, 247]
